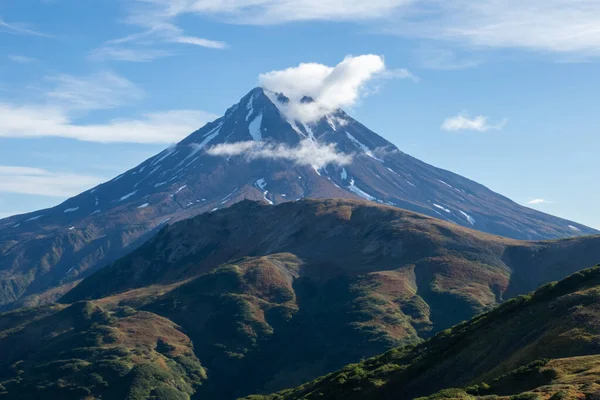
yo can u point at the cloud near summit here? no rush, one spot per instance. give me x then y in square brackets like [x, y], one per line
[306, 153]
[329, 87]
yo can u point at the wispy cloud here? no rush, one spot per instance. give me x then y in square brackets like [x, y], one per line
[554, 26]
[566, 27]
[158, 31]
[44, 121]
[445, 59]
[131, 54]
[269, 12]
[539, 201]
[20, 59]
[102, 90]
[306, 153]
[36, 181]
[211, 44]
[18, 28]
[399, 73]
[479, 123]
[70, 98]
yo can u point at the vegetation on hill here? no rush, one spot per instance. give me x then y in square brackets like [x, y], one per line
[84, 351]
[540, 346]
[273, 297]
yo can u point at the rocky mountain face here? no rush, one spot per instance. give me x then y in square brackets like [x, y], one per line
[539, 346]
[253, 152]
[256, 298]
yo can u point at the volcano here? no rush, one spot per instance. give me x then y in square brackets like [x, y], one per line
[256, 151]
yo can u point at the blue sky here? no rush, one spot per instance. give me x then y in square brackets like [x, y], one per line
[504, 93]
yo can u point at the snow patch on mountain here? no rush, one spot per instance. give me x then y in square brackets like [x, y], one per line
[128, 195]
[255, 128]
[362, 146]
[344, 174]
[442, 208]
[261, 183]
[352, 186]
[70, 210]
[468, 217]
[227, 198]
[162, 156]
[335, 122]
[265, 193]
[196, 147]
[309, 131]
[250, 107]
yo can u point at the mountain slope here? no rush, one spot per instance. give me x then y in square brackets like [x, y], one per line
[540, 346]
[42, 254]
[340, 279]
[270, 297]
[85, 351]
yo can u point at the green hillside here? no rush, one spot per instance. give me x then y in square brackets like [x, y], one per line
[540, 346]
[256, 299]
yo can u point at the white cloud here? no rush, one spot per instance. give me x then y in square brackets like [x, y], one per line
[102, 90]
[399, 73]
[538, 201]
[159, 29]
[212, 44]
[463, 121]
[20, 59]
[36, 181]
[557, 26]
[268, 12]
[42, 121]
[131, 54]
[64, 103]
[18, 28]
[329, 87]
[445, 59]
[306, 153]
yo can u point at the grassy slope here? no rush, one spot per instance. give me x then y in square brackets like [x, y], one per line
[296, 291]
[84, 351]
[536, 346]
